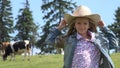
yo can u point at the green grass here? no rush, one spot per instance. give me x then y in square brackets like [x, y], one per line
[116, 59]
[45, 61]
[39, 61]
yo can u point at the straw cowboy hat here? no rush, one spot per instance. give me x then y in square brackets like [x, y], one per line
[82, 11]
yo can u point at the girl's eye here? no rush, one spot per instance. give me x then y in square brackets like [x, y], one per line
[78, 23]
[85, 23]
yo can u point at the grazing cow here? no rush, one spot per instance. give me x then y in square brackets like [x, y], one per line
[18, 47]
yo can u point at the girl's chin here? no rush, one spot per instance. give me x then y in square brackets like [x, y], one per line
[82, 33]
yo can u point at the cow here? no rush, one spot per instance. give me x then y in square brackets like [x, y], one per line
[16, 47]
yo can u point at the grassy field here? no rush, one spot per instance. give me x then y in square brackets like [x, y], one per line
[116, 60]
[45, 61]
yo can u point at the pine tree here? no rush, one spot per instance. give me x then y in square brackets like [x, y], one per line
[54, 11]
[115, 27]
[6, 20]
[27, 29]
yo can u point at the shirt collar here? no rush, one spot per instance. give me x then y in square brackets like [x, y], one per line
[89, 33]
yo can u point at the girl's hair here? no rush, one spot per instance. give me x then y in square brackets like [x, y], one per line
[72, 29]
[92, 27]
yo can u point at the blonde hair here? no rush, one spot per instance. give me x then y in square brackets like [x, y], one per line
[71, 29]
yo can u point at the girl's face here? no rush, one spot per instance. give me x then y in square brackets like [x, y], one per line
[82, 25]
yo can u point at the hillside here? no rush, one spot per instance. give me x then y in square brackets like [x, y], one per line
[45, 61]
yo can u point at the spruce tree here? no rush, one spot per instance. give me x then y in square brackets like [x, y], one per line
[6, 20]
[115, 27]
[25, 27]
[53, 11]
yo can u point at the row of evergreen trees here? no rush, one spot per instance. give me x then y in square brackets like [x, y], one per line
[26, 28]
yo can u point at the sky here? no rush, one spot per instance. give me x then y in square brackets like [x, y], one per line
[105, 8]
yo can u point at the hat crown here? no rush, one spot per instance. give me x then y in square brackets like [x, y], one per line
[82, 11]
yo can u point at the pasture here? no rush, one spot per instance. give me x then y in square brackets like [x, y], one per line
[45, 61]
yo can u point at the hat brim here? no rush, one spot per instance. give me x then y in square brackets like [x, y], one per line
[95, 18]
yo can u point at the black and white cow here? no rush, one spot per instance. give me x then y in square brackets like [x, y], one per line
[17, 47]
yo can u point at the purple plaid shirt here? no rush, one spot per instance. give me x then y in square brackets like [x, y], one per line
[86, 54]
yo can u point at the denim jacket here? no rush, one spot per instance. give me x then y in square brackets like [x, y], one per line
[105, 41]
